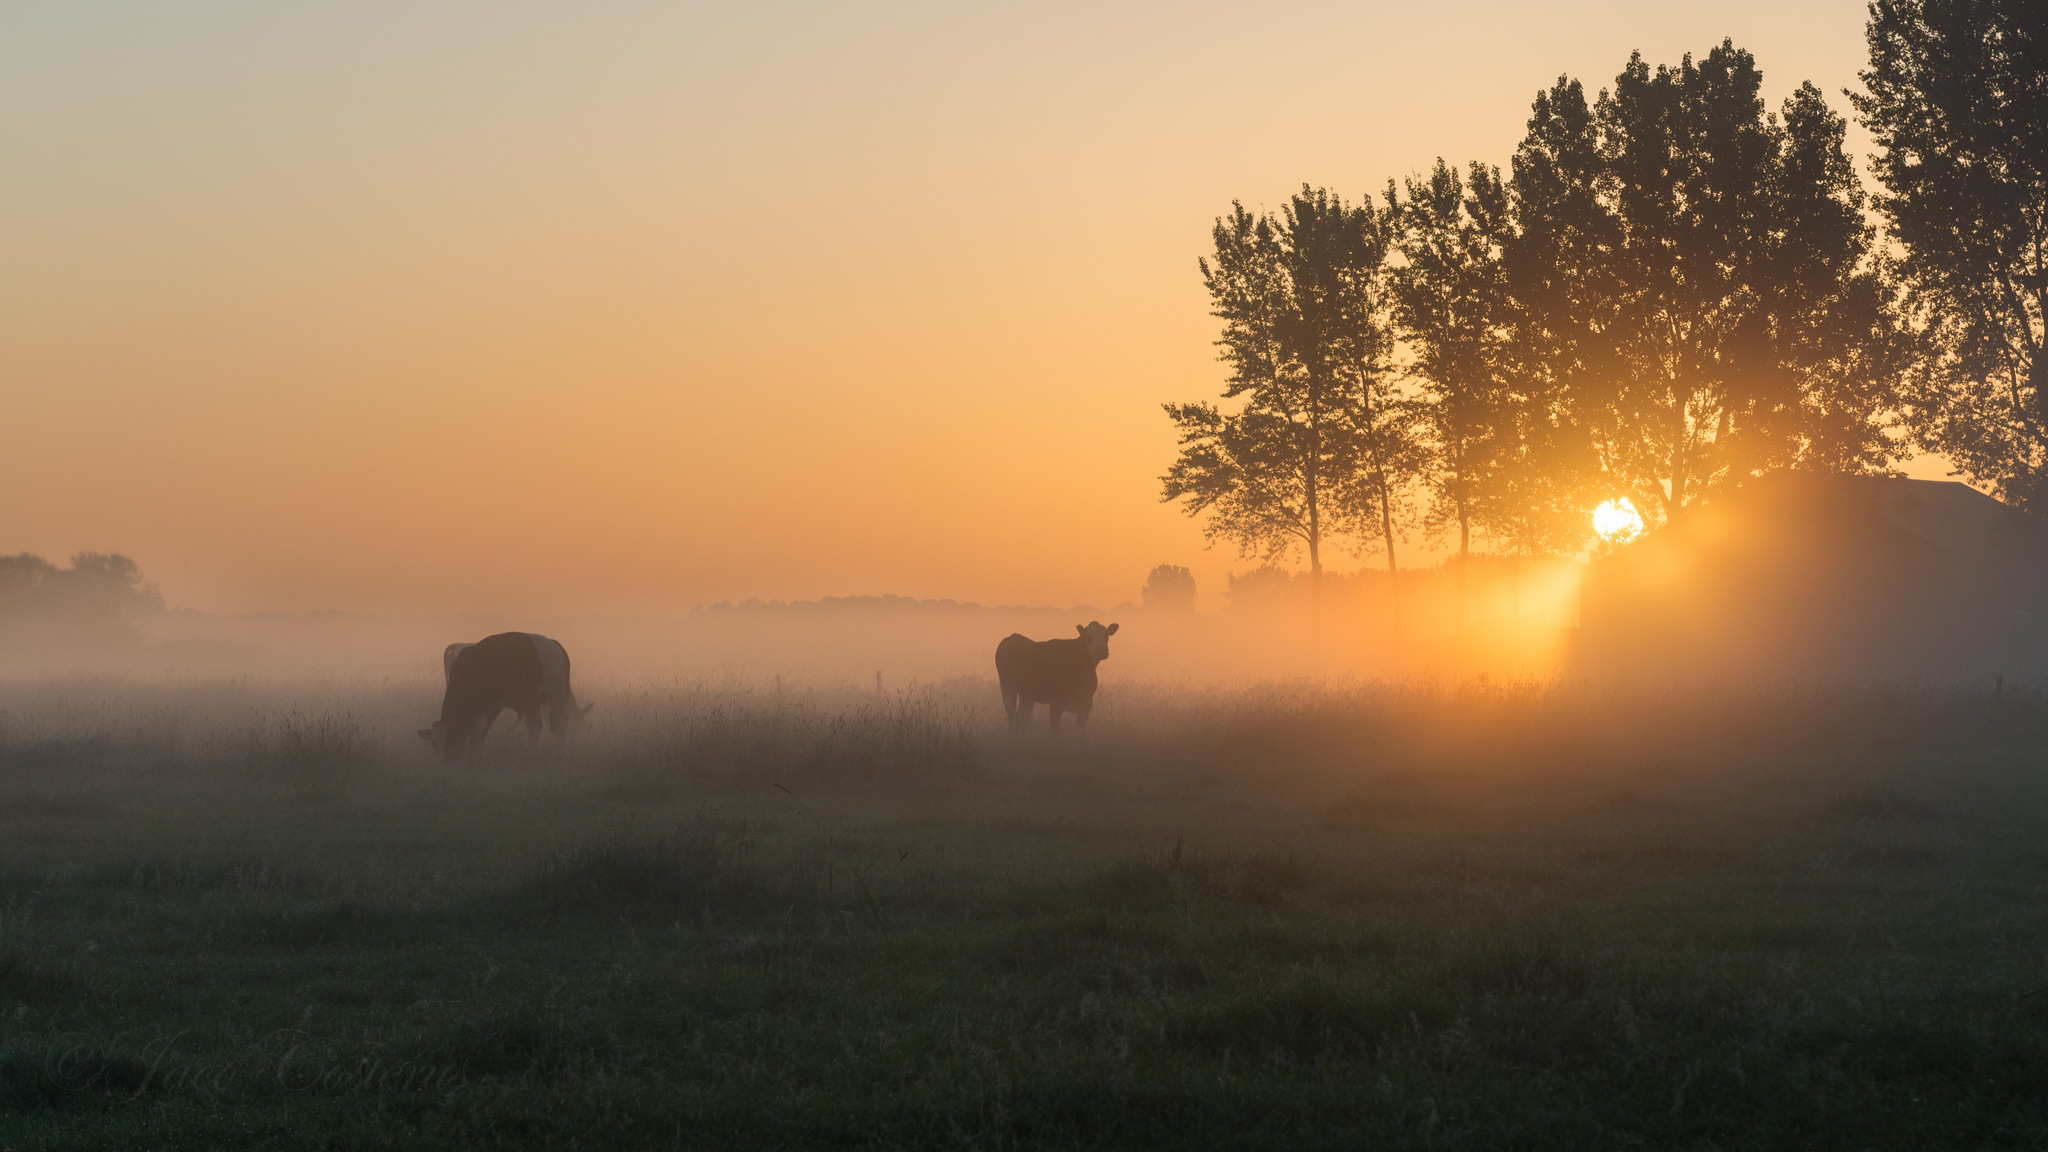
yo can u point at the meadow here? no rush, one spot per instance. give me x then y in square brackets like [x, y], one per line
[257, 913]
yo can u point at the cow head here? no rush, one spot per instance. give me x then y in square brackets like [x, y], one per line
[436, 737]
[447, 741]
[1097, 637]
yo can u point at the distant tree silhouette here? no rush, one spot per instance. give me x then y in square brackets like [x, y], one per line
[1957, 97]
[1322, 444]
[1170, 587]
[98, 596]
[1265, 587]
[1697, 282]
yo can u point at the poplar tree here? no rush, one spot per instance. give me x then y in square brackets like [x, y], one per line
[1451, 302]
[1317, 447]
[1957, 98]
[1560, 273]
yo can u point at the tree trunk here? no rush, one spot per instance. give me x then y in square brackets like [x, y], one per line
[1387, 524]
[1387, 533]
[1315, 606]
[1315, 575]
[1464, 560]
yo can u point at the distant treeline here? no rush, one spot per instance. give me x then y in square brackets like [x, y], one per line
[864, 606]
[1168, 588]
[100, 595]
[1671, 290]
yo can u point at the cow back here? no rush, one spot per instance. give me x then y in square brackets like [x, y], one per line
[496, 672]
[1047, 670]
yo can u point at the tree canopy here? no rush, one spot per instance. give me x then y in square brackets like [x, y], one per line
[1452, 305]
[1675, 289]
[98, 595]
[1319, 445]
[1169, 587]
[1697, 286]
[1957, 98]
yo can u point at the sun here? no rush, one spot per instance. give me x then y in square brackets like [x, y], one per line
[1617, 521]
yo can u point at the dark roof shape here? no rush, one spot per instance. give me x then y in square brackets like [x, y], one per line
[1955, 517]
[1811, 574]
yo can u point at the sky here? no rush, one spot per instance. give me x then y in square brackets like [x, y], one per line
[622, 308]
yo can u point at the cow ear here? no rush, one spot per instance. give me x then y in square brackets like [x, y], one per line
[1112, 630]
[1080, 629]
[427, 734]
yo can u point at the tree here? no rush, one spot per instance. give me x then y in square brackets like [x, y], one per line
[1344, 328]
[1319, 447]
[98, 597]
[1833, 301]
[1560, 270]
[1700, 280]
[1957, 98]
[1452, 305]
[1170, 587]
[1259, 475]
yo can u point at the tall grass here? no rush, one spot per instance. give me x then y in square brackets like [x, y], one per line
[762, 914]
[206, 733]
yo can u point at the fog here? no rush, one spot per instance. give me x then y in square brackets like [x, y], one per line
[1500, 618]
[1799, 579]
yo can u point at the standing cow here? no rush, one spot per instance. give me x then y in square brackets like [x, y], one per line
[1059, 674]
[518, 670]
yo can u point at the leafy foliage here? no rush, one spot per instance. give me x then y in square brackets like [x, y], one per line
[1675, 291]
[1170, 586]
[1958, 101]
[1452, 303]
[1322, 443]
[1698, 287]
[98, 595]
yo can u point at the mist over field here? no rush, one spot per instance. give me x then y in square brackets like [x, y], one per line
[1503, 618]
[255, 911]
[769, 898]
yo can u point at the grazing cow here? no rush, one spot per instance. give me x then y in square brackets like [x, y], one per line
[1059, 674]
[518, 670]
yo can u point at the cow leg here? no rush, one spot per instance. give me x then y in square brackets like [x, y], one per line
[1081, 715]
[531, 718]
[1052, 709]
[1022, 716]
[482, 729]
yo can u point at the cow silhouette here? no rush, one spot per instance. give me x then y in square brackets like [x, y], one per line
[448, 656]
[523, 671]
[1059, 674]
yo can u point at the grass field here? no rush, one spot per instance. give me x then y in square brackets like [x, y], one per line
[244, 914]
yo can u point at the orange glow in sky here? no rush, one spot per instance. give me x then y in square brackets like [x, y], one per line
[626, 307]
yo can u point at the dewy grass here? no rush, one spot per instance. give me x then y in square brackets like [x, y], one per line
[1284, 915]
